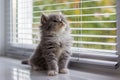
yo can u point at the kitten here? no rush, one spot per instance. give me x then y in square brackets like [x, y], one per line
[54, 50]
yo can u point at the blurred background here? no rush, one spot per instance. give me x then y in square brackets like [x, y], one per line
[92, 22]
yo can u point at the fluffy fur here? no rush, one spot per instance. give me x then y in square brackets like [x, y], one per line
[54, 49]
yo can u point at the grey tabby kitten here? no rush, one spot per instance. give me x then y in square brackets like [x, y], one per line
[54, 50]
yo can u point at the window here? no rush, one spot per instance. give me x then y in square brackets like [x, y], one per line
[93, 25]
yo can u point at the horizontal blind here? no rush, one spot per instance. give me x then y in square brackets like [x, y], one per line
[93, 25]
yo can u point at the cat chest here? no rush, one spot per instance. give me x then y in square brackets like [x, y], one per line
[61, 46]
[62, 43]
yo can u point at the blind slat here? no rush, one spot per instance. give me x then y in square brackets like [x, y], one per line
[93, 28]
[71, 28]
[75, 9]
[97, 43]
[97, 36]
[75, 22]
[97, 51]
[65, 2]
[85, 15]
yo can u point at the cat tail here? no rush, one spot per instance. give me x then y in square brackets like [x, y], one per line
[26, 62]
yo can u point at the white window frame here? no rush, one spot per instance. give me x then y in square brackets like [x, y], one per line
[27, 48]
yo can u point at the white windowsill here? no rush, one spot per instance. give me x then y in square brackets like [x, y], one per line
[81, 73]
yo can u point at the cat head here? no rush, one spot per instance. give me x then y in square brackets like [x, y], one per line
[54, 22]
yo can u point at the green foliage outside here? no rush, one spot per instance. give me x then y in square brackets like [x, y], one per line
[79, 8]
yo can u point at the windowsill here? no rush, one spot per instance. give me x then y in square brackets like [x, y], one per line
[76, 73]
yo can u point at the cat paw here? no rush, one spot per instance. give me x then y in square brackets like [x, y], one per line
[52, 73]
[64, 71]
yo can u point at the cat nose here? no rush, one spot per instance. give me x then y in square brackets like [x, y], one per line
[60, 22]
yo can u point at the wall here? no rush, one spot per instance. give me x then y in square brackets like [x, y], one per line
[2, 45]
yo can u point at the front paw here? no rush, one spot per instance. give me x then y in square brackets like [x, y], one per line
[64, 70]
[52, 73]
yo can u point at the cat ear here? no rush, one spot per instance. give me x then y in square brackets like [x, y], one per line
[44, 18]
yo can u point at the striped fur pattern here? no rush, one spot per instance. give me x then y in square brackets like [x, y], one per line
[54, 50]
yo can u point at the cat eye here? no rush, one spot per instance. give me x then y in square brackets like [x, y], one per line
[55, 21]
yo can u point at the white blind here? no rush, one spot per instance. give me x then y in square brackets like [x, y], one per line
[93, 25]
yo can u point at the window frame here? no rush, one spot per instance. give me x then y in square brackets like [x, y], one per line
[25, 47]
[118, 29]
